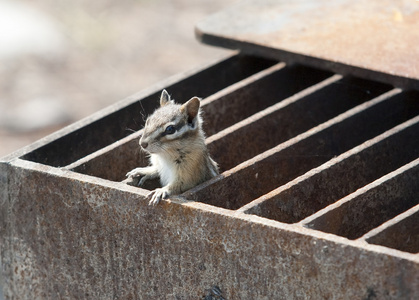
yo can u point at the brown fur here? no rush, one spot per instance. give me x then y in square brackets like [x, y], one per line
[180, 159]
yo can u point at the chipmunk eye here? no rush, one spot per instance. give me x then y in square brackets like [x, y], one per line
[170, 129]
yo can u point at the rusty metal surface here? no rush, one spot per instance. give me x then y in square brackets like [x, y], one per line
[278, 123]
[400, 233]
[376, 39]
[74, 236]
[78, 232]
[281, 164]
[359, 212]
[340, 176]
[257, 92]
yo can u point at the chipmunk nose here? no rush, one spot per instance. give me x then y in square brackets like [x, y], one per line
[144, 144]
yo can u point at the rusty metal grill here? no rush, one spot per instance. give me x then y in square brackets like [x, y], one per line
[318, 195]
[301, 146]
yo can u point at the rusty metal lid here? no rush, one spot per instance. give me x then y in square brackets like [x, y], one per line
[377, 39]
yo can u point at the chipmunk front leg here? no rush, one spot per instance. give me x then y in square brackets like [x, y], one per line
[146, 173]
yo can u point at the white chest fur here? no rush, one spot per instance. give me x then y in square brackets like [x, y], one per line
[165, 168]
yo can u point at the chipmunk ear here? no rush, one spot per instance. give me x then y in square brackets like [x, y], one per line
[191, 108]
[165, 98]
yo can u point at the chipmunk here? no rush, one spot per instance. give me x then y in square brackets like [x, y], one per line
[174, 138]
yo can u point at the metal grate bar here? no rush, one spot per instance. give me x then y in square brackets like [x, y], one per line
[277, 166]
[340, 176]
[289, 117]
[358, 213]
[239, 100]
[109, 127]
[256, 93]
[401, 232]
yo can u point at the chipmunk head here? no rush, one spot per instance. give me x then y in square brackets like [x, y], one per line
[171, 125]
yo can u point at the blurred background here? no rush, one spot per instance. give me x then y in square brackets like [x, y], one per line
[62, 60]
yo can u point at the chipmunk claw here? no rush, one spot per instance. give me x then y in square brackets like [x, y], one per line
[157, 195]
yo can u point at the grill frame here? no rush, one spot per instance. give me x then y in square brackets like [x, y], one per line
[78, 221]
